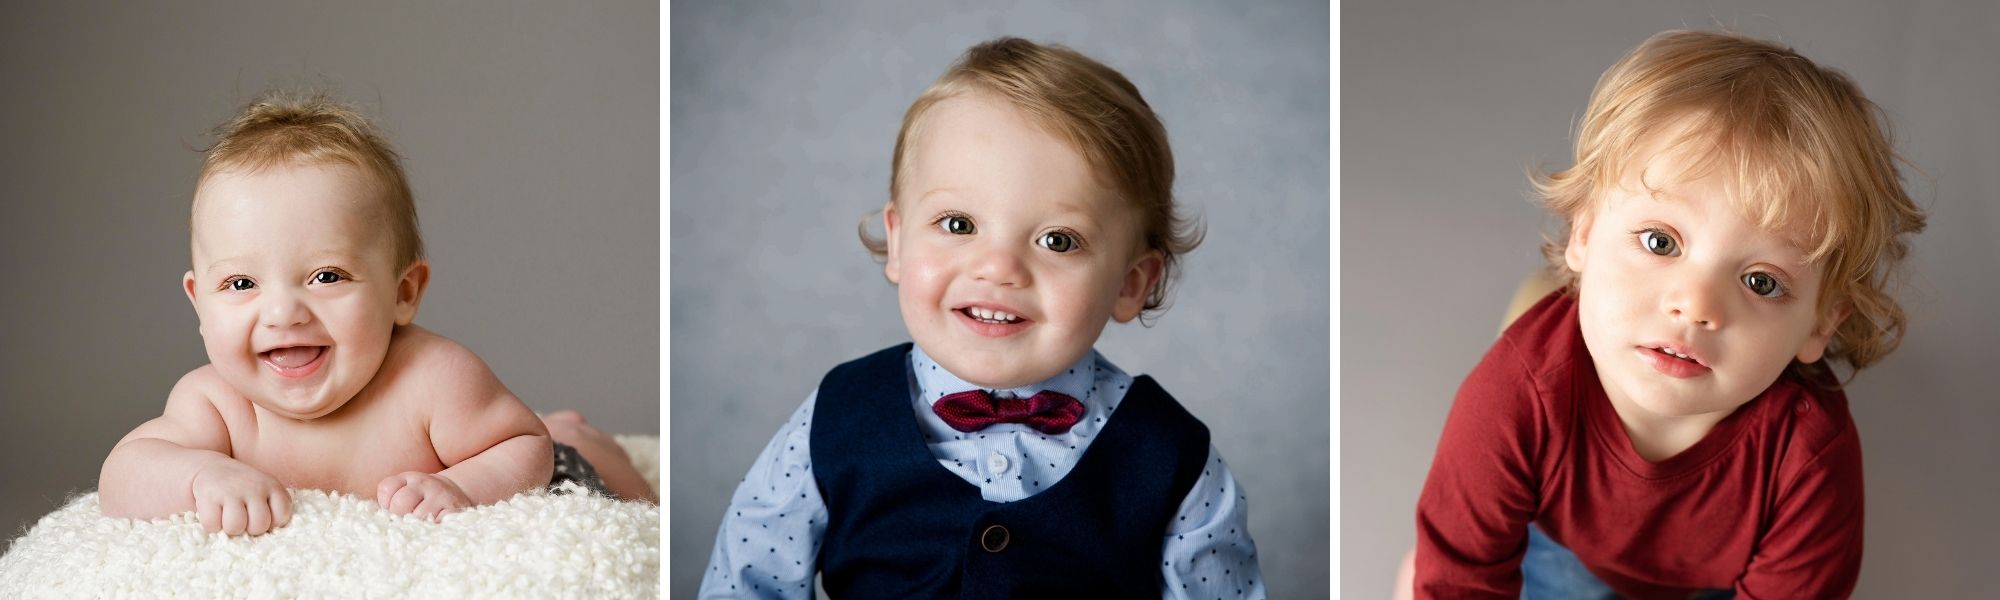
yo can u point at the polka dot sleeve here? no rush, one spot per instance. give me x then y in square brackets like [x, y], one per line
[769, 538]
[1208, 551]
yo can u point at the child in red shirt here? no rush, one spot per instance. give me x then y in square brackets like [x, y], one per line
[1668, 424]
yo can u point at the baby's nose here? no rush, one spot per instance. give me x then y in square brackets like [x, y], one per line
[285, 310]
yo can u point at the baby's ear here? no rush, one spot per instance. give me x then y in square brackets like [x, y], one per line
[1138, 284]
[187, 285]
[410, 291]
[1577, 250]
[889, 236]
[1815, 345]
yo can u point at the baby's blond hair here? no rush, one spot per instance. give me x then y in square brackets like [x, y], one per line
[1808, 152]
[1089, 106]
[280, 128]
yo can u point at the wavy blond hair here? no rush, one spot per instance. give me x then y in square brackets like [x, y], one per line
[282, 127]
[1808, 153]
[1090, 107]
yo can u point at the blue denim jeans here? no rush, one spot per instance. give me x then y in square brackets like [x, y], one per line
[1551, 572]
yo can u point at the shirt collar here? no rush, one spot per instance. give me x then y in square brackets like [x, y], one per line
[934, 382]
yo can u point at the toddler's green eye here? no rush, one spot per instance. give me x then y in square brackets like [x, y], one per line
[326, 277]
[1057, 241]
[1763, 284]
[1658, 242]
[241, 284]
[956, 225]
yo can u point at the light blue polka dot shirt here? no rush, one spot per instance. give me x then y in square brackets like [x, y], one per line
[769, 539]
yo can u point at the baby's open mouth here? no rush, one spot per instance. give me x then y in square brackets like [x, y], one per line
[984, 315]
[292, 357]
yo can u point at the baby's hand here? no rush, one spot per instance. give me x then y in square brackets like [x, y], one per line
[236, 499]
[427, 495]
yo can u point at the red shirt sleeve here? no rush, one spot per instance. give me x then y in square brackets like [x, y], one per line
[1813, 548]
[1482, 491]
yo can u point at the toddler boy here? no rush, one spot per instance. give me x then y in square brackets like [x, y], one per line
[1668, 423]
[999, 455]
[308, 270]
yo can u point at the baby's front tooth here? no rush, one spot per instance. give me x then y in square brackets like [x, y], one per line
[1003, 316]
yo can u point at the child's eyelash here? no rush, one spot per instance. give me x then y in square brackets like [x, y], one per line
[344, 275]
[1785, 289]
[1074, 238]
[1637, 236]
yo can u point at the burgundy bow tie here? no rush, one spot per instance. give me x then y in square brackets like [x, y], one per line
[973, 410]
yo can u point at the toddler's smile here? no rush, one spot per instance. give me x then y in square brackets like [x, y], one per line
[1008, 253]
[987, 320]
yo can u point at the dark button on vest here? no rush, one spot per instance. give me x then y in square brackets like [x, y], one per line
[902, 526]
[995, 539]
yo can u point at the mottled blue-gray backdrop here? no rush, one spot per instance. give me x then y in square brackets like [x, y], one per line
[783, 116]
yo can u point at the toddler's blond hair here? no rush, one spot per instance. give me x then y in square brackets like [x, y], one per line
[1808, 152]
[1087, 105]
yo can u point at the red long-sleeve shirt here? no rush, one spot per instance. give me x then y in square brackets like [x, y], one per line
[1768, 503]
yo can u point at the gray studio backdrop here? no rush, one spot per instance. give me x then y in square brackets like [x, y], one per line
[1444, 107]
[783, 117]
[530, 132]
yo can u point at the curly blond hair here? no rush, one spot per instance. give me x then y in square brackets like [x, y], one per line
[1809, 155]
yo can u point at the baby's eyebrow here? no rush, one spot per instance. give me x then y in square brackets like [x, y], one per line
[936, 191]
[222, 263]
[328, 258]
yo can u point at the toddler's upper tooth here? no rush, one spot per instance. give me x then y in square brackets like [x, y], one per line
[1003, 316]
[981, 313]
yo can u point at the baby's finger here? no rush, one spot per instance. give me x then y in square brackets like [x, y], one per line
[257, 513]
[435, 507]
[386, 491]
[232, 517]
[406, 500]
[281, 508]
[209, 512]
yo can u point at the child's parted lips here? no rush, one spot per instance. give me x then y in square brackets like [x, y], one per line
[291, 356]
[990, 313]
[1678, 350]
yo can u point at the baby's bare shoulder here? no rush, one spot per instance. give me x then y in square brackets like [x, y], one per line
[204, 386]
[437, 366]
[201, 412]
[464, 403]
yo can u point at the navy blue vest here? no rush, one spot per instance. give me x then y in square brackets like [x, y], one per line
[902, 526]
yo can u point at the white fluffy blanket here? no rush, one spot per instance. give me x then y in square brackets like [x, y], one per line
[534, 545]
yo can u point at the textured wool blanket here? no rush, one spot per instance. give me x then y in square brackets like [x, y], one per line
[535, 545]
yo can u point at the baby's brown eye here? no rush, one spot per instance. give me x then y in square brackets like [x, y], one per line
[957, 225]
[1658, 242]
[326, 277]
[241, 284]
[1763, 284]
[1057, 241]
